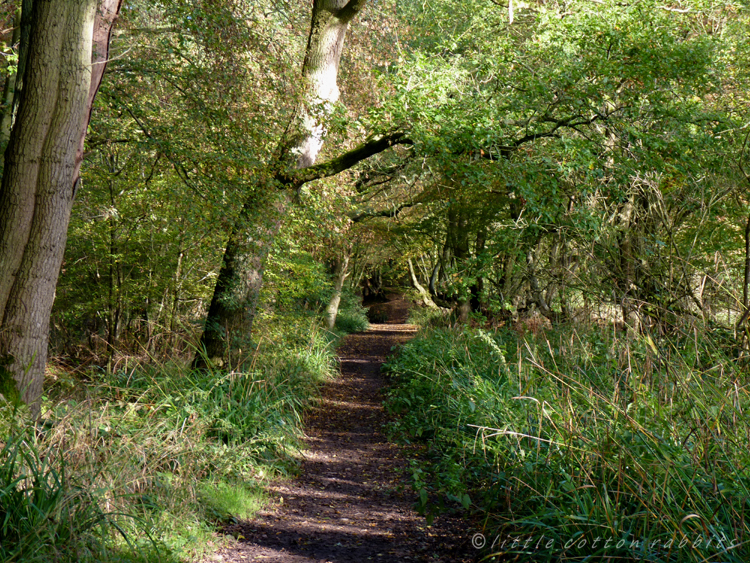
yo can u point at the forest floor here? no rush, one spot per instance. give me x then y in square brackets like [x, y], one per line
[351, 501]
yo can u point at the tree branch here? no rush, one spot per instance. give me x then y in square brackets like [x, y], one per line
[383, 212]
[297, 178]
[377, 177]
[351, 9]
[569, 122]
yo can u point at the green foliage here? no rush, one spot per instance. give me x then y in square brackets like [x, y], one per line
[595, 137]
[183, 450]
[8, 389]
[295, 280]
[573, 436]
[352, 317]
[44, 514]
[186, 116]
[228, 501]
[349, 321]
[426, 317]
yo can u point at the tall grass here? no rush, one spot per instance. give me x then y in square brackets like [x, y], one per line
[574, 446]
[177, 451]
[44, 514]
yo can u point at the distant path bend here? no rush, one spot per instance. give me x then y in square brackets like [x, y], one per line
[352, 501]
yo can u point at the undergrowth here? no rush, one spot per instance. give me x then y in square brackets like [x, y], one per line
[146, 462]
[352, 315]
[44, 514]
[580, 445]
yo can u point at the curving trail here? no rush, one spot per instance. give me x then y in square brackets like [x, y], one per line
[352, 501]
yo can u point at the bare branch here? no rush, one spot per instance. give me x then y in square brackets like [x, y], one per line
[572, 122]
[678, 10]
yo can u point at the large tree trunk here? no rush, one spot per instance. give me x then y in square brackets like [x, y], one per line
[235, 300]
[325, 44]
[67, 52]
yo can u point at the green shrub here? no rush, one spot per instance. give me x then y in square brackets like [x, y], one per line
[429, 318]
[349, 321]
[577, 436]
[352, 316]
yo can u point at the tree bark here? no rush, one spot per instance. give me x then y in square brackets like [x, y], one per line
[67, 52]
[536, 290]
[232, 312]
[235, 300]
[458, 234]
[325, 44]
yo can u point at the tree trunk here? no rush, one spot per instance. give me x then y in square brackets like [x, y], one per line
[536, 290]
[458, 234]
[434, 278]
[478, 288]
[240, 280]
[325, 44]
[426, 298]
[509, 265]
[235, 300]
[340, 272]
[42, 164]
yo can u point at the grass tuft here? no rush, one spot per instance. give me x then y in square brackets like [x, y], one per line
[44, 514]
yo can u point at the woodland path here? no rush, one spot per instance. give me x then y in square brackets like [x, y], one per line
[352, 501]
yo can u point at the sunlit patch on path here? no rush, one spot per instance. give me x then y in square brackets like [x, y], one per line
[352, 501]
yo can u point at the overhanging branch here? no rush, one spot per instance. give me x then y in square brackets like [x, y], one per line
[351, 9]
[297, 178]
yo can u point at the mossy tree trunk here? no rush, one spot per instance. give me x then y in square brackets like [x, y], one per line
[231, 314]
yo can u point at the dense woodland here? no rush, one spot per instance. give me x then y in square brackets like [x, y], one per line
[560, 187]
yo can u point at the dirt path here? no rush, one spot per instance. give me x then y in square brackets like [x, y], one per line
[352, 501]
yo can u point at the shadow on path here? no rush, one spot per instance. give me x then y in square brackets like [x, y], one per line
[352, 501]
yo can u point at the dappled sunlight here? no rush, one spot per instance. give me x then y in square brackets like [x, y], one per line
[352, 500]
